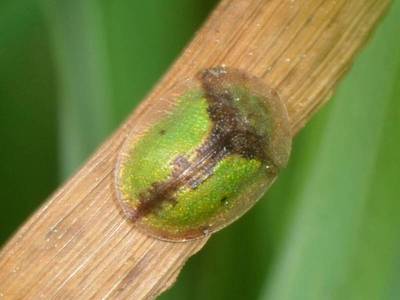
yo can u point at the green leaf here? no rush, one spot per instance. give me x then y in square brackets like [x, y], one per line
[28, 148]
[341, 241]
[85, 105]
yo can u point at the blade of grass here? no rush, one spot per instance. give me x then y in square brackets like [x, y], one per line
[340, 243]
[375, 262]
[28, 152]
[17, 19]
[85, 114]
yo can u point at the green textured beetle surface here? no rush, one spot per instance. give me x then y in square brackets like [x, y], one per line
[207, 160]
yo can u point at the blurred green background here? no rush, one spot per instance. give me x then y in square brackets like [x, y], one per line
[71, 71]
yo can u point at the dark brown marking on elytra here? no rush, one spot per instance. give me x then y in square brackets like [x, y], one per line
[230, 134]
[224, 200]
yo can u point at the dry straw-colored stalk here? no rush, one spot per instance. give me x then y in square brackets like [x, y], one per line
[78, 245]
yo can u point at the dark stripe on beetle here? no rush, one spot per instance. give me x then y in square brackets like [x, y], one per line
[230, 134]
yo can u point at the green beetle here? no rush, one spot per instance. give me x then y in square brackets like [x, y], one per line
[207, 160]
